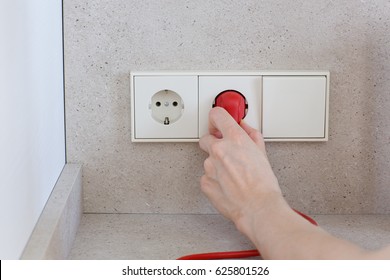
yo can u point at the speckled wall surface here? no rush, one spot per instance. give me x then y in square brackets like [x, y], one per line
[104, 40]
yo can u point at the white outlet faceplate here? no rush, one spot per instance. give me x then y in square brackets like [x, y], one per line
[283, 105]
[145, 126]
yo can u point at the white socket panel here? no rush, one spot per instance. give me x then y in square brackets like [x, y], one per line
[283, 105]
[145, 127]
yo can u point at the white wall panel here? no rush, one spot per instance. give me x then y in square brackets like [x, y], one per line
[32, 145]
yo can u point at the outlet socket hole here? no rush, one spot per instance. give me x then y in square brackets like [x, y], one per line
[161, 109]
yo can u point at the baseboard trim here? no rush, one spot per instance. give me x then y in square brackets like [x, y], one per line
[57, 226]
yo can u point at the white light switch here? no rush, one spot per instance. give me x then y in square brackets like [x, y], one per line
[294, 107]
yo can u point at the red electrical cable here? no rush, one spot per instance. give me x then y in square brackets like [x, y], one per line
[235, 254]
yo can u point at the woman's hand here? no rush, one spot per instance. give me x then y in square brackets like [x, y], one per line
[238, 177]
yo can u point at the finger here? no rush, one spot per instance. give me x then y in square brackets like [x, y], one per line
[206, 142]
[221, 123]
[210, 188]
[254, 134]
[207, 183]
[209, 168]
[214, 193]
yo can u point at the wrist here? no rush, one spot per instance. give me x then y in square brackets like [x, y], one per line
[259, 212]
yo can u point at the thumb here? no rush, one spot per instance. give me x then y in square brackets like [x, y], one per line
[254, 134]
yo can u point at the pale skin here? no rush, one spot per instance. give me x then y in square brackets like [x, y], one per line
[240, 183]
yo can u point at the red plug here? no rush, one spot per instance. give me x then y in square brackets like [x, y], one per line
[233, 102]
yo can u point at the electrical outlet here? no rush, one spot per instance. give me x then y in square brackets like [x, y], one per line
[283, 105]
[164, 108]
[248, 85]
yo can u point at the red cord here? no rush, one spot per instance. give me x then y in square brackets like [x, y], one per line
[235, 254]
[222, 255]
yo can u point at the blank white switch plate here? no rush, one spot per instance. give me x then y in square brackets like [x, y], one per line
[283, 105]
[294, 107]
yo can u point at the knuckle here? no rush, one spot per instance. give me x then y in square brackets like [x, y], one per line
[207, 165]
[204, 183]
[218, 150]
[203, 180]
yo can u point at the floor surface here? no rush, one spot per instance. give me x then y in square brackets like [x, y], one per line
[156, 236]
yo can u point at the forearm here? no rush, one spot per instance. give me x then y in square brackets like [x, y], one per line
[279, 233]
[240, 183]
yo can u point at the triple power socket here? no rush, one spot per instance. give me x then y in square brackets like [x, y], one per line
[283, 105]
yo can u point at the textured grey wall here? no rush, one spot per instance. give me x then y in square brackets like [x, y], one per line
[104, 40]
